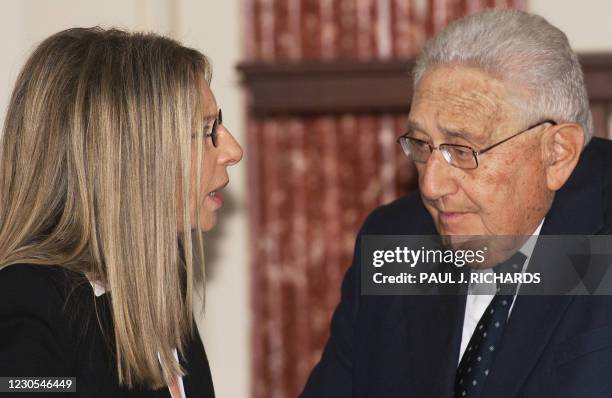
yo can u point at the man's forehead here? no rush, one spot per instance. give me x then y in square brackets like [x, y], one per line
[461, 100]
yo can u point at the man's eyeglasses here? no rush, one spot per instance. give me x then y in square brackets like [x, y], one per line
[461, 156]
[214, 131]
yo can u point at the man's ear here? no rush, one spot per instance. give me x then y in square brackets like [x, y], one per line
[562, 147]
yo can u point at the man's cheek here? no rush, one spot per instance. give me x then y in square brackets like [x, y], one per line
[492, 175]
[490, 202]
[430, 209]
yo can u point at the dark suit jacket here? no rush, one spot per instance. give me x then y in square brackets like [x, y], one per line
[48, 327]
[408, 346]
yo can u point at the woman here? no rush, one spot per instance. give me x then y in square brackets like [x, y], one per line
[112, 158]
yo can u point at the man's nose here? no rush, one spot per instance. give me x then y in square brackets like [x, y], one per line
[436, 178]
[230, 150]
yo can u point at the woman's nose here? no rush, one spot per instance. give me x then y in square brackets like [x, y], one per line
[231, 151]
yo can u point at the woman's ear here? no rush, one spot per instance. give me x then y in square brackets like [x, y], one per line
[562, 148]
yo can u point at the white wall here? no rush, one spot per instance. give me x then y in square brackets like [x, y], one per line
[215, 30]
[213, 27]
[24, 23]
[587, 23]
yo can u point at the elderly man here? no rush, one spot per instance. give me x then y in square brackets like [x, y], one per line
[500, 132]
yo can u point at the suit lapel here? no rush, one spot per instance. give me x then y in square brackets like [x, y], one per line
[430, 333]
[531, 325]
[439, 324]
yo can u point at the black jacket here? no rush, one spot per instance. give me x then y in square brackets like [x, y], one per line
[49, 327]
[408, 346]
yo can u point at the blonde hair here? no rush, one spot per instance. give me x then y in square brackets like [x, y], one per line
[95, 145]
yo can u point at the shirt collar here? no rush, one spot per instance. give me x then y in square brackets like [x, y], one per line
[98, 288]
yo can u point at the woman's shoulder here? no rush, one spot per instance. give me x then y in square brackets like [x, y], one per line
[50, 295]
[39, 319]
[50, 325]
[43, 276]
[61, 299]
[29, 285]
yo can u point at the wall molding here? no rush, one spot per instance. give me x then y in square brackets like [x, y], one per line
[380, 86]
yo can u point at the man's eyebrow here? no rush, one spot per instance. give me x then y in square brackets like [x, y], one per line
[414, 126]
[457, 133]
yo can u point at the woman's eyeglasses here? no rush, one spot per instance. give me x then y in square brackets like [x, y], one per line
[214, 131]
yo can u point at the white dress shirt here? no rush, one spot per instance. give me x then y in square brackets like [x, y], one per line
[477, 302]
[100, 290]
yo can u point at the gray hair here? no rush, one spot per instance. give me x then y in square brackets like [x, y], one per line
[521, 49]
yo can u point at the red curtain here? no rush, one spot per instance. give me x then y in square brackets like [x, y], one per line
[314, 179]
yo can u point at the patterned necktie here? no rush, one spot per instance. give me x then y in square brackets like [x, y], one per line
[478, 357]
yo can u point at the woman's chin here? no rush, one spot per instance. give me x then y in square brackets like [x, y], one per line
[207, 222]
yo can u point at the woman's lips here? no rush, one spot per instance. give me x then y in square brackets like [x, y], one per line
[216, 197]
